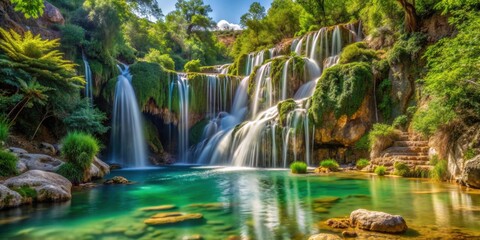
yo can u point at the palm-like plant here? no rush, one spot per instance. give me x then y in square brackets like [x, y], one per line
[39, 58]
[32, 92]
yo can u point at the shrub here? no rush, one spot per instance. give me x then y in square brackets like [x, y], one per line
[71, 172]
[400, 122]
[192, 66]
[4, 130]
[439, 171]
[427, 121]
[357, 52]
[401, 169]
[284, 108]
[380, 170]
[419, 172]
[163, 59]
[79, 149]
[469, 154]
[298, 167]
[331, 164]
[362, 163]
[86, 119]
[72, 36]
[8, 164]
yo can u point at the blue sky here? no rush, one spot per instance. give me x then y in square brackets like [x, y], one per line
[229, 10]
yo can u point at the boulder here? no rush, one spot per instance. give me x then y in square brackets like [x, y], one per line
[324, 236]
[17, 151]
[117, 180]
[9, 198]
[102, 166]
[338, 222]
[40, 162]
[378, 221]
[52, 14]
[48, 148]
[50, 187]
[21, 167]
[471, 173]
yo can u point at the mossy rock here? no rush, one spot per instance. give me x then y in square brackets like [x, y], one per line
[341, 90]
[327, 199]
[172, 218]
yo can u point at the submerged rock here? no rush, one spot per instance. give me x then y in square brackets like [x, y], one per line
[378, 221]
[338, 222]
[117, 180]
[328, 199]
[471, 174]
[159, 208]
[9, 198]
[171, 218]
[324, 236]
[49, 187]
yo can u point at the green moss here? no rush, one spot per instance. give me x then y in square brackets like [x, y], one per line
[192, 66]
[407, 47]
[469, 154]
[4, 130]
[26, 192]
[8, 164]
[357, 52]
[151, 134]
[298, 167]
[341, 90]
[386, 103]
[440, 169]
[150, 81]
[284, 108]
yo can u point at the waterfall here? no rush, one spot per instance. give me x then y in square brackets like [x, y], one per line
[89, 81]
[183, 125]
[263, 140]
[128, 142]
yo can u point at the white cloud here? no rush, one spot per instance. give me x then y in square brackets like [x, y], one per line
[224, 25]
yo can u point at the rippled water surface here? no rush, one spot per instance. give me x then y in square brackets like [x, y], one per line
[259, 204]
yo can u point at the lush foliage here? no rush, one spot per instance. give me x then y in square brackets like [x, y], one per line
[400, 122]
[4, 130]
[78, 149]
[30, 8]
[284, 108]
[298, 167]
[86, 119]
[440, 169]
[380, 131]
[401, 169]
[362, 163]
[72, 172]
[26, 191]
[380, 170]
[192, 66]
[341, 90]
[8, 164]
[163, 59]
[357, 52]
[330, 164]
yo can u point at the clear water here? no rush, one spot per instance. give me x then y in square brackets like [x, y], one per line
[259, 204]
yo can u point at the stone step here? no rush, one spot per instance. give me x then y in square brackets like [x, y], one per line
[413, 158]
[400, 154]
[407, 149]
[410, 144]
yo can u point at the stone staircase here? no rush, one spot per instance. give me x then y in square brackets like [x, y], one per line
[408, 149]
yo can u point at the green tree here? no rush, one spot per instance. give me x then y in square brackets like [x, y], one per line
[30, 8]
[163, 59]
[256, 12]
[195, 13]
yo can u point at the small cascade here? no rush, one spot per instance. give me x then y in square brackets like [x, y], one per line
[223, 69]
[183, 88]
[127, 139]
[89, 80]
[253, 60]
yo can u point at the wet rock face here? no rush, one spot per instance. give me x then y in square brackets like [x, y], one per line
[52, 14]
[378, 221]
[9, 198]
[49, 187]
[471, 174]
[40, 162]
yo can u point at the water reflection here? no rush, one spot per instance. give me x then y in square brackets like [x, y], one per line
[256, 204]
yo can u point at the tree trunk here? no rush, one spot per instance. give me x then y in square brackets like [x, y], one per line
[411, 21]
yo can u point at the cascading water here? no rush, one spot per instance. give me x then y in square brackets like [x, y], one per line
[183, 125]
[264, 141]
[127, 139]
[88, 78]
